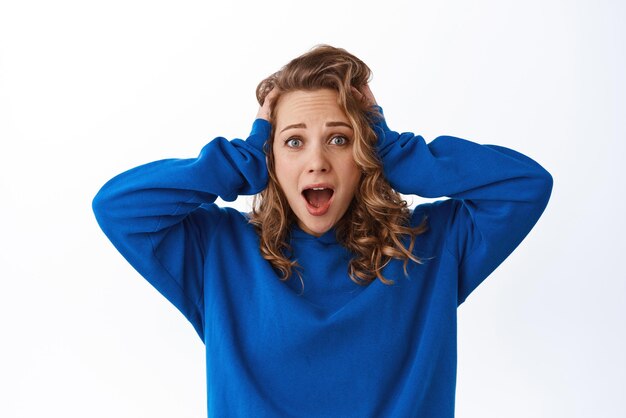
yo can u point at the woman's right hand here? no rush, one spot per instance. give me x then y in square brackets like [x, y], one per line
[268, 103]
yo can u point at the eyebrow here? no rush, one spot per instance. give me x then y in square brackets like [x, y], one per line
[329, 124]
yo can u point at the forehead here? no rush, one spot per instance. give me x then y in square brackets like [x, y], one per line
[300, 106]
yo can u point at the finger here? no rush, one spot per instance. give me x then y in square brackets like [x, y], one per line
[357, 94]
[271, 96]
[369, 96]
[268, 102]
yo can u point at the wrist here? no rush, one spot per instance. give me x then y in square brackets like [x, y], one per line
[378, 119]
[260, 133]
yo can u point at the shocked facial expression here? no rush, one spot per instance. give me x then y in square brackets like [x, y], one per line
[313, 158]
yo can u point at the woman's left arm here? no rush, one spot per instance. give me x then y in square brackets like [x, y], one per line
[497, 194]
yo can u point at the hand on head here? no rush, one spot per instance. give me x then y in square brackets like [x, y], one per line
[265, 109]
[364, 94]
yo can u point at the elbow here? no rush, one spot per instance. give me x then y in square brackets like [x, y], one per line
[98, 204]
[548, 183]
[106, 211]
[101, 207]
[541, 189]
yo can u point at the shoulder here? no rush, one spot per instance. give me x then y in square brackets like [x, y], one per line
[212, 220]
[438, 213]
[226, 230]
[436, 217]
[235, 221]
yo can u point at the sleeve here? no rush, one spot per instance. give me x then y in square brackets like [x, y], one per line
[496, 194]
[160, 215]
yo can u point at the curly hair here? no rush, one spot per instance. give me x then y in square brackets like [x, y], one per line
[376, 227]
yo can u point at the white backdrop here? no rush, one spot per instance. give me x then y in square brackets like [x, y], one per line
[89, 89]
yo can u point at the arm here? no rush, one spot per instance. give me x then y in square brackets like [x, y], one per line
[160, 215]
[497, 194]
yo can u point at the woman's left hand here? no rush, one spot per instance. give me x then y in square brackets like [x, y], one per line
[364, 93]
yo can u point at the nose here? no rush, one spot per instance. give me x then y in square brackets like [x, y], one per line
[318, 161]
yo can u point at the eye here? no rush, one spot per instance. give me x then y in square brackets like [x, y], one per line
[339, 140]
[293, 142]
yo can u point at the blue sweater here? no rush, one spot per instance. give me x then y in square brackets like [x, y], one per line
[337, 349]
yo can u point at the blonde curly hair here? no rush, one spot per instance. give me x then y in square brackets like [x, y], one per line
[377, 220]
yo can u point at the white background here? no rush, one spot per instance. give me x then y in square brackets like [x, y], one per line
[89, 89]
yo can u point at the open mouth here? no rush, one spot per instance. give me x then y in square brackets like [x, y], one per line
[318, 199]
[318, 196]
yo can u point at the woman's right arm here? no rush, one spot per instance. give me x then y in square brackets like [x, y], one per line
[160, 215]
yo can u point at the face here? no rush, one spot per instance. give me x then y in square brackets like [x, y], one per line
[313, 158]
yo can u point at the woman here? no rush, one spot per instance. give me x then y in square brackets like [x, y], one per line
[332, 298]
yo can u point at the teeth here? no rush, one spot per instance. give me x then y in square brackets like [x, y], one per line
[318, 188]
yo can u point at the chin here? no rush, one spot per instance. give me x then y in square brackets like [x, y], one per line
[316, 228]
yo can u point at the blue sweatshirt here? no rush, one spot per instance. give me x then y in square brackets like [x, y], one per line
[337, 349]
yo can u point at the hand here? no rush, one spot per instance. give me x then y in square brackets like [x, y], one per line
[265, 109]
[364, 94]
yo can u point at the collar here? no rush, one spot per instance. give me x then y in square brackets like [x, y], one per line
[329, 237]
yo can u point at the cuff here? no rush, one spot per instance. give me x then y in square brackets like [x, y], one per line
[260, 133]
[379, 123]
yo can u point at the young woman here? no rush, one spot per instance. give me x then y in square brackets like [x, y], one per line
[332, 298]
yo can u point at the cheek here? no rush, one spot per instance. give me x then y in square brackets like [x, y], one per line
[283, 169]
[352, 172]
[278, 161]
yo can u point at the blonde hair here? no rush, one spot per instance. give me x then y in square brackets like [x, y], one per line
[377, 219]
